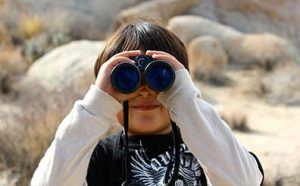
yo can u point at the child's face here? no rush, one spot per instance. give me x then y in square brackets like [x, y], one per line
[146, 114]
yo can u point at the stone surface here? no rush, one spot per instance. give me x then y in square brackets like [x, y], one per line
[245, 49]
[251, 16]
[158, 10]
[207, 58]
[44, 97]
[68, 66]
[283, 86]
[80, 19]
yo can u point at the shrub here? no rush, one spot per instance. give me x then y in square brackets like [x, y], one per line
[30, 26]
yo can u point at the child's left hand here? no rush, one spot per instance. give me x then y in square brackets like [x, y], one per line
[160, 55]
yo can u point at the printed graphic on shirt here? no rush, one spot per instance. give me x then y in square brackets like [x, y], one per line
[152, 172]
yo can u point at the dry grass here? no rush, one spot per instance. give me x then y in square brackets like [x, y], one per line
[237, 122]
[25, 140]
[12, 60]
[30, 26]
[12, 64]
[2, 2]
[22, 149]
[4, 37]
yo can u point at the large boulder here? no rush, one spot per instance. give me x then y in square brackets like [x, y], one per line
[207, 58]
[68, 66]
[81, 19]
[45, 96]
[263, 49]
[187, 27]
[159, 10]
[283, 86]
[252, 16]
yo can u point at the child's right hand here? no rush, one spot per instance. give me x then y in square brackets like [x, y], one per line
[103, 78]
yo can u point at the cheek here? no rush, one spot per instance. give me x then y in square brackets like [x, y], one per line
[165, 115]
[120, 117]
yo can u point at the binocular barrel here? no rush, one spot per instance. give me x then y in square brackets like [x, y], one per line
[156, 74]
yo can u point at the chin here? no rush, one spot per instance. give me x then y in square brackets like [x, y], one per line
[151, 131]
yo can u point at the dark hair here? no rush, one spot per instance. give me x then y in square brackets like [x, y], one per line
[142, 35]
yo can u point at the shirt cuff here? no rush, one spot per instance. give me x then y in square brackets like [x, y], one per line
[183, 87]
[98, 101]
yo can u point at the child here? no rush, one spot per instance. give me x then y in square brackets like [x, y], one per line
[173, 137]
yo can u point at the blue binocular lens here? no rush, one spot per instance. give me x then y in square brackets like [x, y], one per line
[158, 75]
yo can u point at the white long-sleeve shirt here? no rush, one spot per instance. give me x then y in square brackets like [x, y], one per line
[225, 161]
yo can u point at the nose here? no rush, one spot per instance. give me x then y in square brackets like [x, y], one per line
[144, 91]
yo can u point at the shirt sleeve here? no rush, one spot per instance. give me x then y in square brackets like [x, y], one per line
[224, 160]
[66, 161]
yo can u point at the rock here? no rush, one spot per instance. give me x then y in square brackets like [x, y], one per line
[67, 67]
[252, 16]
[79, 19]
[267, 50]
[243, 49]
[158, 10]
[207, 58]
[46, 95]
[283, 86]
[188, 27]
[52, 83]
[7, 178]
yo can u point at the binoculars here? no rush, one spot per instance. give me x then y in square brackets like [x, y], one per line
[158, 75]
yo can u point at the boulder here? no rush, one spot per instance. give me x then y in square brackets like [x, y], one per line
[67, 67]
[188, 27]
[207, 58]
[243, 49]
[266, 50]
[283, 86]
[45, 95]
[252, 16]
[79, 19]
[158, 10]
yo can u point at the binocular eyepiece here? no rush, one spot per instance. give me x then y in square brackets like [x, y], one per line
[158, 75]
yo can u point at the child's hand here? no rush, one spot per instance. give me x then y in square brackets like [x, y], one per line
[103, 78]
[160, 55]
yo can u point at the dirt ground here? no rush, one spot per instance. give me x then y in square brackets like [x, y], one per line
[274, 129]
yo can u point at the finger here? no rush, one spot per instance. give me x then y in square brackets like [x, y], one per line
[151, 52]
[169, 59]
[120, 59]
[130, 53]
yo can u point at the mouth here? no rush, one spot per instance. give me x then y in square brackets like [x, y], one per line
[146, 107]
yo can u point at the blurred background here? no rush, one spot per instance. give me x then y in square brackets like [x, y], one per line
[244, 57]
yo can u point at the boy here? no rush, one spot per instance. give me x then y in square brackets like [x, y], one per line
[206, 153]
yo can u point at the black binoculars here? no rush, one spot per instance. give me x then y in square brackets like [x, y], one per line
[158, 75]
